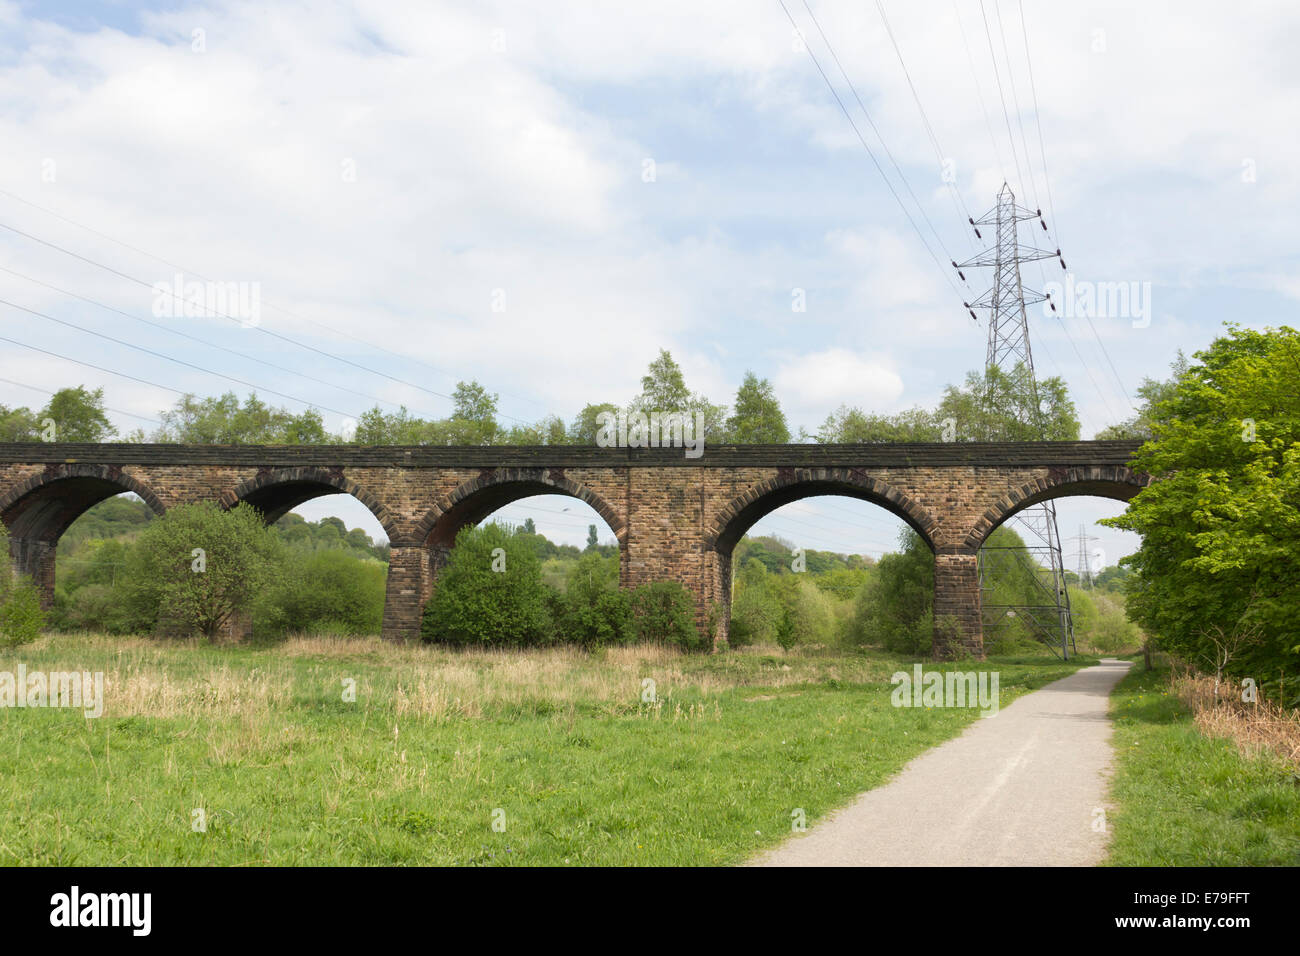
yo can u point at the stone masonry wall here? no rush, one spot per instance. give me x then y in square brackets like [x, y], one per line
[674, 518]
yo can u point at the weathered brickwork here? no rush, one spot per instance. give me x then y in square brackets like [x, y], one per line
[675, 518]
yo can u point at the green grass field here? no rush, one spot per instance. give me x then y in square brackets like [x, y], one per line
[1183, 799]
[556, 747]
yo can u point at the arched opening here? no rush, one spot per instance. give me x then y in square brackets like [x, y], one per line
[1068, 600]
[808, 544]
[39, 511]
[336, 539]
[561, 529]
[562, 506]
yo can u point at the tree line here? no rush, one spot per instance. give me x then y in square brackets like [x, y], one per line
[996, 404]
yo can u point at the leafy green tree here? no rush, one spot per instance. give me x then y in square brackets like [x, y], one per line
[306, 428]
[18, 424]
[1152, 393]
[593, 539]
[490, 592]
[196, 566]
[847, 425]
[895, 609]
[663, 390]
[785, 630]
[1220, 530]
[474, 416]
[757, 418]
[548, 431]
[377, 427]
[755, 608]
[224, 420]
[78, 415]
[663, 386]
[998, 405]
[586, 426]
[992, 406]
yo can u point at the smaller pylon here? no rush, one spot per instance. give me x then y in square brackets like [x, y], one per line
[1085, 564]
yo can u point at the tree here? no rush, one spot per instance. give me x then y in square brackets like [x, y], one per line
[18, 424]
[663, 390]
[663, 387]
[225, 421]
[196, 566]
[586, 426]
[995, 405]
[1220, 529]
[548, 431]
[474, 416]
[490, 592]
[755, 609]
[998, 405]
[593, 539]
[785, 630]
[377, 427]
[330, 591]
[78, 415]
[846, 425]
[1152, 394]
[757, 418]
[593, 612]
[895, 609]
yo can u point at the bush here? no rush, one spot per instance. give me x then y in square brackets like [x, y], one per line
[95, 607]
[326, 592]
[593, 612]
[755, 609]
[21, 617]
[894, 610]
[490, 593]
[664, 613]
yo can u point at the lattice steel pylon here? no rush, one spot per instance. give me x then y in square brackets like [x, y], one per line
[1085, 564]
[1040, 564]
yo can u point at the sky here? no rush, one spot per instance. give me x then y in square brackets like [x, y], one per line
[541, 196]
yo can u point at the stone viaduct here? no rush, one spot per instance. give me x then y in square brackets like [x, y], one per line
[675, 517]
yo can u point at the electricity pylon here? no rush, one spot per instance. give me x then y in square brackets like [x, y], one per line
[1040, 564]
[1085, 564]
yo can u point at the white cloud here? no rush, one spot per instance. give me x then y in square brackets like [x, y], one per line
[824, 380]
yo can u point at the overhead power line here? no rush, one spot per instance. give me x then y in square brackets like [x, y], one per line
[194, 338]
[169, 358]
[875, 162]
[875, 129]
[257, 328]
[958, 203]
[271, 305]
[98, 368]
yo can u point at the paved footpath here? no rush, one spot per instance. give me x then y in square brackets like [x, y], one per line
[1015, 789]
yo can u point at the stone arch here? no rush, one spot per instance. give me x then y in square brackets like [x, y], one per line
[38, 510]
[1103, 481]
[474, 499]
[277, 491]
[44, 505]
[792, 484]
